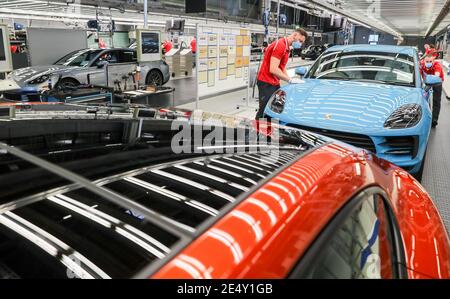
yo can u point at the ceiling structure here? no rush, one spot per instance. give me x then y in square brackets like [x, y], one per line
[397, 17]
[409, 17]
[77, 12]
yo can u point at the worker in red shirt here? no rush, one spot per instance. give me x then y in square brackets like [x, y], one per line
[167, 46]
[429, 66]
[273, 68]
[194, 45]
[102, 44]
[431, 49]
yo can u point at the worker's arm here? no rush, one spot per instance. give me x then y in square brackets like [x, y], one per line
[439, 70]
[276, 71]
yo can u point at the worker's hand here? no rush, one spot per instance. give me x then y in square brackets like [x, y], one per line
[296, 81]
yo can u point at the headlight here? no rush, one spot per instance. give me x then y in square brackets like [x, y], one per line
[405, 117]
[277, 101]
[39, 80]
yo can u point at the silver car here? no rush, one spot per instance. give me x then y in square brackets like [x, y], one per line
[88, 66]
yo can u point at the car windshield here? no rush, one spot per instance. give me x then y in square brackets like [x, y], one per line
[385, 68]
[78, 58]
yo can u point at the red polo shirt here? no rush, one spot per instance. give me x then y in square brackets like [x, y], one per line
[167, 45]
[279, 49]
[437, 67]
[194, 45]
[432, 51]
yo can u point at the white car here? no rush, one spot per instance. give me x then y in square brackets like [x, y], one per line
[87, 66]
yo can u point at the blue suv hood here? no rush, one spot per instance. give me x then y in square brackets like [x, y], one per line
[344, 105]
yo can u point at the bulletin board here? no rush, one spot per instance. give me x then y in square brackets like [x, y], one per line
[224, 59]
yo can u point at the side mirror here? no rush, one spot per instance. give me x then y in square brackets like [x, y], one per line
[431, 80]
[102, 63]
[301, 71]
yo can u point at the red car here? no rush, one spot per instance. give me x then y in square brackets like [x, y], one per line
[111, 198]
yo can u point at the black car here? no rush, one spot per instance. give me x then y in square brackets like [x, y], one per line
[99, 192]
[297, 52]
[313, 52]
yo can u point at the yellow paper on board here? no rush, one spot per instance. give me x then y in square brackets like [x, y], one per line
[246, 41]
[245, 61]
[239, 62]
[203, 52]
[212, 39]
[223, 73]
[239, 40]
[212, 64]
[239, 51]
[223, 51]
[202, 77]
[223, 62]
[211, 78]
[212, 52]
[231, 69]
[239, 72]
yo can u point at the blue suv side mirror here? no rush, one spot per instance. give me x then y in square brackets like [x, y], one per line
[431, 80]
[301, 71]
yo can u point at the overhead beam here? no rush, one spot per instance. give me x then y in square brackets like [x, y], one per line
[325, 5]
[442, 15]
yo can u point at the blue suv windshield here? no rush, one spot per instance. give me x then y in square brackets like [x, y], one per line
[385, 68]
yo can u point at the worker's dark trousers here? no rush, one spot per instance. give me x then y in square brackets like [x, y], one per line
[265, 93]
[437, 96]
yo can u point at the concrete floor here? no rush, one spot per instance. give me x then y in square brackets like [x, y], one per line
[185, 88]
[234, 103]
[436, 177]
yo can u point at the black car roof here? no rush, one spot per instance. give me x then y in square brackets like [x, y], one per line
[88, 197]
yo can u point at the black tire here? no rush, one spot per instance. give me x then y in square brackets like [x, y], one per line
[431, 104]
[67, 83]
[418, 176]
[155, 77]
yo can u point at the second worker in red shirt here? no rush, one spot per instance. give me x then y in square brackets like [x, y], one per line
[429, 66]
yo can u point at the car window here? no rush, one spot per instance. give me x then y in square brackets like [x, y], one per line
[112, 57]
[361, 247]
[127, 57]
[386, 68]
[80, 58]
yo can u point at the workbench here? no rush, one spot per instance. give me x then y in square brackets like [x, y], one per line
[143, 96]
